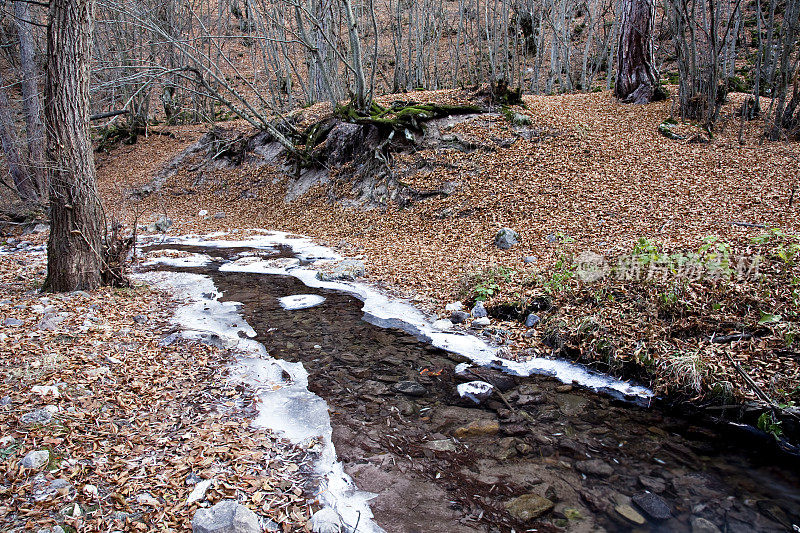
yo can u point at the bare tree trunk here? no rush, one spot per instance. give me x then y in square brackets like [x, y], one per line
[26, 188]
[636, 75]
[31, 107]
[74, 250]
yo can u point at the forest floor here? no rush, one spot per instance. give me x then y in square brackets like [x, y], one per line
[696, 238]
[676, 225]
[109, 421]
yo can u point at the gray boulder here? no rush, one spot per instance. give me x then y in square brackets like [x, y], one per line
[225, 517]
[506, 238]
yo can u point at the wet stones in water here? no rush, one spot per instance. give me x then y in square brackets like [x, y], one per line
[476, 391]
[653, 484]
[528, 507]
[652, 505]
[701, 525]
[502, 381]
[410, 388]
[441, 445]
[594, 467]
[630, 514]
[506, 238]
[477, 428]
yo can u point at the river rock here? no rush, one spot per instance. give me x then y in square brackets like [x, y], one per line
[529, 259]
[199, 491]
[528, 507]
[225, 517]
[481, 322]
[702, 525]
[44, 490]
[479, 311]
[162, 224]
[629, 513]
[12, 322]
[410, 388]
[459, 317]
[496, 378]
[326, 520]
[35, 459]
[41, 416]
[653, 484]
[347, 270]
[454, 306]
[506, 238]
[442, 324]
[477, 391]
[477, 428]
[652, 505]
[531, 320]
[441, 445]
[594, 467]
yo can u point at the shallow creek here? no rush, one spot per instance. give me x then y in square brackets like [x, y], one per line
[438, 462]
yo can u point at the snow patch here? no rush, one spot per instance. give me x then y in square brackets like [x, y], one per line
[300, 301]
[286, 405]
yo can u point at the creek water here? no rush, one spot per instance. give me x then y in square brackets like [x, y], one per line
[438, 462]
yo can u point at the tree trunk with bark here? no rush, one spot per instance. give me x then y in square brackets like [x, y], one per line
[31, 106]
[74, 251]
[636, 76]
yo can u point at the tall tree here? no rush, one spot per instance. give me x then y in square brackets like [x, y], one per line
[74, 251]
[636, 76]
[31, 107]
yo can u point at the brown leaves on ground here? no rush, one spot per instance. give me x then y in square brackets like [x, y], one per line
[591, 174]
[133, 419]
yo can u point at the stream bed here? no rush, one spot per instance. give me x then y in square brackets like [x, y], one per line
[538, 455]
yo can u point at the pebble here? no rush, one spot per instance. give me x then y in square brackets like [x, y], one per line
[12, 322]
[227, 516]
[652, 505]
[5, 400]
[454, 306]
[410, 388]
[91, 491]
[443, 324]
[481, 322]
[528, 507]
[140, 319]
[629, 513]
[477, 428]
[41, 416]
[35, 459]
[653, 484]
[199, 491]
[531, 320]
[594, 467]
[702, 525]
[459, 317]
[479, 311]
[530, 259]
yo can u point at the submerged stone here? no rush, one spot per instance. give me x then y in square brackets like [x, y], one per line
[528, 507]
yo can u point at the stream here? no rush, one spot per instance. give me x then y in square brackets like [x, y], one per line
[538, 455]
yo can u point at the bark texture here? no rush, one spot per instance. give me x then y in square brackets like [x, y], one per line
[636, 76]
[26, 187]
[31, 106]
[74, 251]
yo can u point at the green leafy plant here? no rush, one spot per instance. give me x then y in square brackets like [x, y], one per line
[646, 251]
[769, 424]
